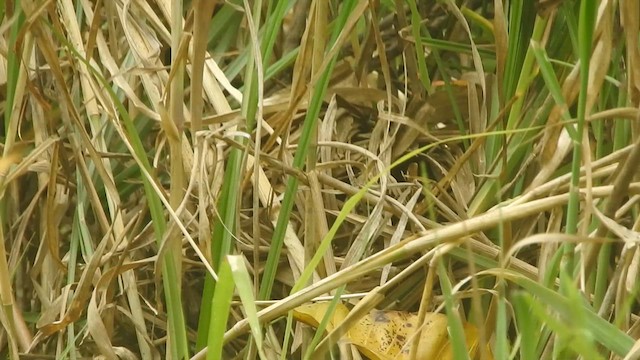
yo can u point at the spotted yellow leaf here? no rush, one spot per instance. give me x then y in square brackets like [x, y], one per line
[387, 335]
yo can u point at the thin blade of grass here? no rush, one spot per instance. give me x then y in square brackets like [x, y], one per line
[317, 96]
[456, 331]
[245, 290]
[602, 331]
[221, 302]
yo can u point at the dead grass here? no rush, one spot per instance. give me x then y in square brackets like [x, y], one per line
[415, 145]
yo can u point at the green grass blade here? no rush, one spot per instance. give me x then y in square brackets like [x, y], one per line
[456, 331]
[421, 59]
[317, 97]
[528, 327]
[502, 326]
[221, 302]
[601, 330]
[245, 290]
[550, 79]
[320, 330]
[224, 230]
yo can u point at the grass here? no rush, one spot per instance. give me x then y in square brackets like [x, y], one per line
[176, 179]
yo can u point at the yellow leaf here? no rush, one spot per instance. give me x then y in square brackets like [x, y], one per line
[312, 314]
[382, 335]
[387, 335]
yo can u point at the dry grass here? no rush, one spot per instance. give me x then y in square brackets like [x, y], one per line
[419, 155]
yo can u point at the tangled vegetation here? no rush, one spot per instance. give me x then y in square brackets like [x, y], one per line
[177, 177]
